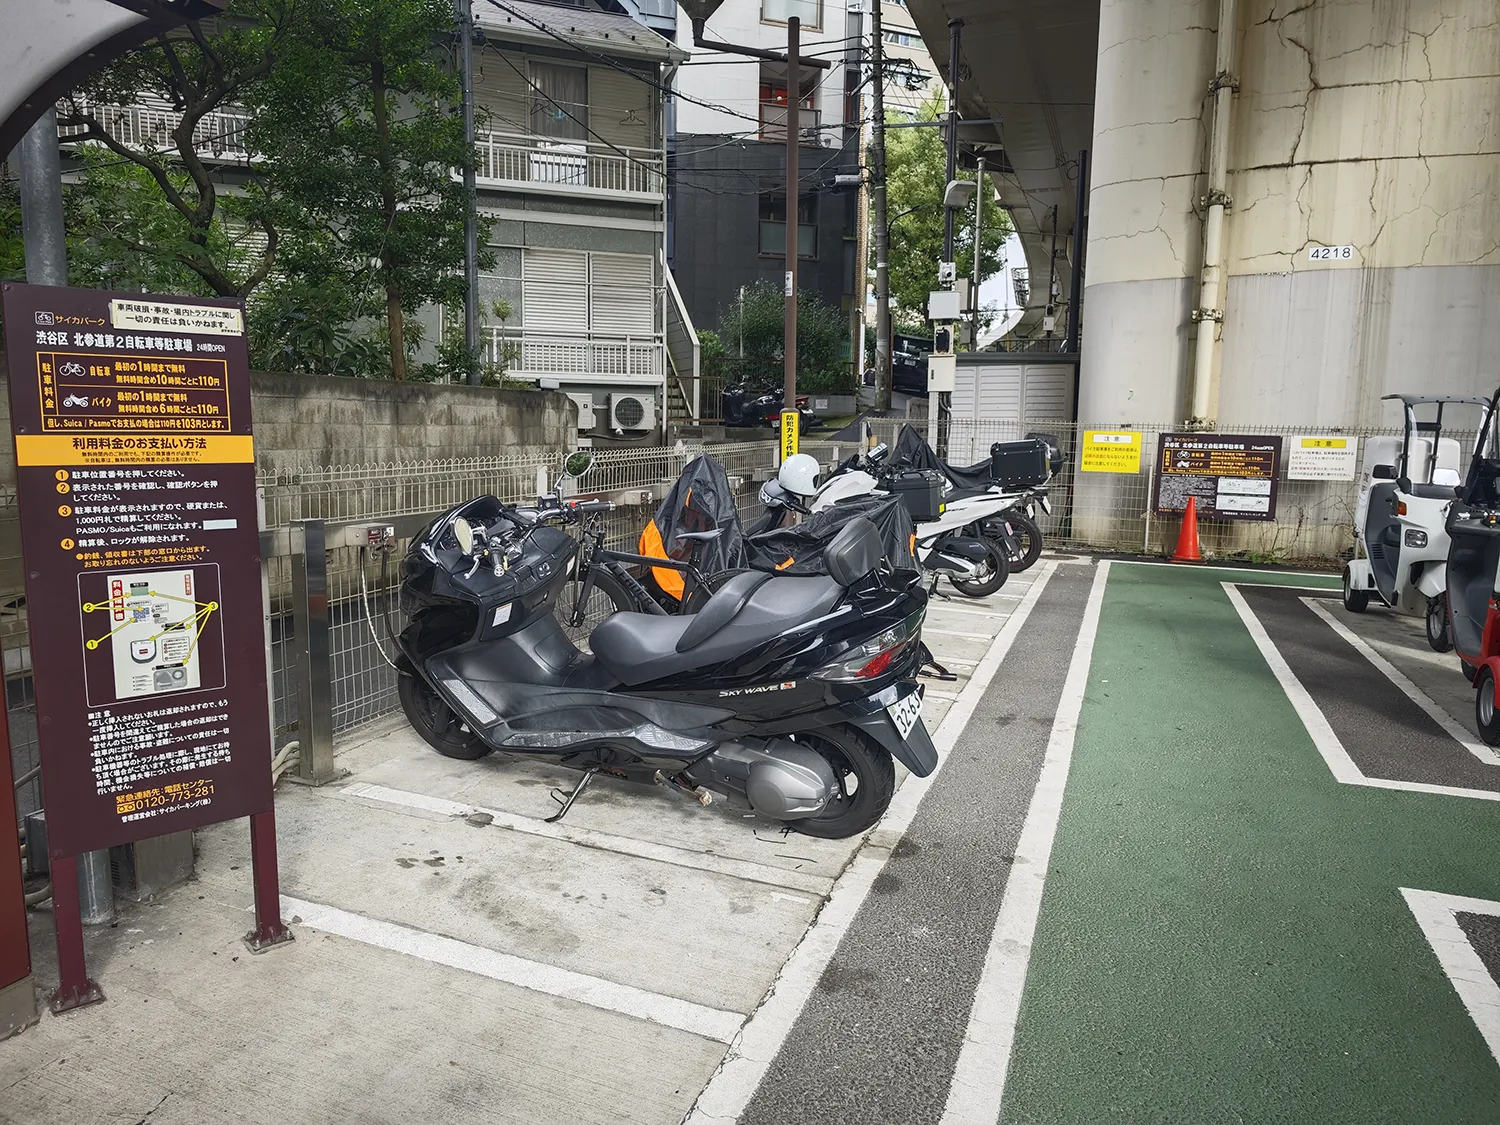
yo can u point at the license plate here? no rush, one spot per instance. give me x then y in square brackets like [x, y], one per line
[905, 713]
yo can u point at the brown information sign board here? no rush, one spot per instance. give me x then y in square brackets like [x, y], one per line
[1233, 476]
[136, 474]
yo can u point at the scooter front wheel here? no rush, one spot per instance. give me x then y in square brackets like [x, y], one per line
[1486, 714]
[867, 778]
[1355, 601]
[1437, 624]
[435, 721]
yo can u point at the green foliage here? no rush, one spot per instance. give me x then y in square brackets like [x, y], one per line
[759, 322]
[710, 344]
[916, 167]
[12, 253]
[360, 128]
[149, 210]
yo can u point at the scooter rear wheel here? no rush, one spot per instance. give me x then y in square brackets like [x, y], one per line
[439, 727]
[997, 571]
[1028, 540]
[1437, 624]
[867, 778]
[1486, 714]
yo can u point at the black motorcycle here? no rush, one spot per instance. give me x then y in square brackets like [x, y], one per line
[739, 406]
[790, 695]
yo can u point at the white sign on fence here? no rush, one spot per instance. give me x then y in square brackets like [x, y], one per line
[1322, 457]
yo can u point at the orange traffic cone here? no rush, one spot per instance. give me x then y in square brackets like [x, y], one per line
[1187, 539]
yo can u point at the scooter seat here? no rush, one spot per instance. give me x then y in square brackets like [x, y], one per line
[641, 647]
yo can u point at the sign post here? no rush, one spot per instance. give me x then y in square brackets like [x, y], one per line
[135, 469]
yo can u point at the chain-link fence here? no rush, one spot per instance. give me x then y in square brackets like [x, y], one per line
[354, 506]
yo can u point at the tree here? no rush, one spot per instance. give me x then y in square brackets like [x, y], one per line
[759, 322]
[359, 124]
[198, 241]
[916, 167]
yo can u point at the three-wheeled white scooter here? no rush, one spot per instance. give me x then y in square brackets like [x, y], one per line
[1405, 491]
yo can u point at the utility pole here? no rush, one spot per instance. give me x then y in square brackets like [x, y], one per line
[471, 218]
[878, 197]
[978, 249]
[793, 227]
[938, 402]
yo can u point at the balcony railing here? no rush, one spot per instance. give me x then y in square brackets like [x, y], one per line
[569, 166]
[579, 358]
[218, 136]
[773, 123]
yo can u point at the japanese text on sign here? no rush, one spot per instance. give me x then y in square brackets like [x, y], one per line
[1323, 457]
[136, 487]
[1110, 451]
[1232, 476]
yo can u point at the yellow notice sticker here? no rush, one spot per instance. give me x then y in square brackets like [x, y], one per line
[789, 420]
[1111, 451]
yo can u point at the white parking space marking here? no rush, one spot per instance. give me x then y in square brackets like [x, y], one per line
[711, 1023]
[966, 636]
[1318, 728]
[733, 1085]
[1484, 753]
[1462, 965]
[604, 841]
[978, 1083]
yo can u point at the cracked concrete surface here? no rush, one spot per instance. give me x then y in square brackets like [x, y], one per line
[1375, 125]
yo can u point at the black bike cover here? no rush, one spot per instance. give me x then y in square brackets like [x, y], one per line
[913, 452]
[797, 551]
[701, 500]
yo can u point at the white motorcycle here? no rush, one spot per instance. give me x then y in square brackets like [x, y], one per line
[1407, 486]
[974, 565]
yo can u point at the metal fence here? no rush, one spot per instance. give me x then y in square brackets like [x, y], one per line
[329, 668]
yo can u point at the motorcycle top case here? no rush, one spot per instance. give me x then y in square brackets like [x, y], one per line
[1020, 464]
[797, 551]
[920, 490]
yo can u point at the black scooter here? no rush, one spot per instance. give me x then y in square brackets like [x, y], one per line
[790, 695]
[739, 407]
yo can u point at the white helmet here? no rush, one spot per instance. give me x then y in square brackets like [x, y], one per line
[799, 475]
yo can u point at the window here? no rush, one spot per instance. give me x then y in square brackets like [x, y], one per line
[810, 12]
[773, 225]
[903, 38]
[560, 101]
[502, 284]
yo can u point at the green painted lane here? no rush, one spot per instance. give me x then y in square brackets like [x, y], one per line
[1222, 937]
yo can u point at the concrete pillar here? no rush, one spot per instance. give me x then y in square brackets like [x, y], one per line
[1367, 124]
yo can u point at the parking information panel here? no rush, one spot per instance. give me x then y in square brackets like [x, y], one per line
[1233, 476]
[136, 472]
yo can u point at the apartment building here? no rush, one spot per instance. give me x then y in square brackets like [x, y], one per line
[728, 208]
[571, 174]
[912, 77]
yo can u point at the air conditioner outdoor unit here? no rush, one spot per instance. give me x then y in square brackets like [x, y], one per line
[632, 411]
[585, 403]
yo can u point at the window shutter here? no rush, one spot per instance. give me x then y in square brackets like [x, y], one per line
[622, 295]
[1049, 391]
[556, 291]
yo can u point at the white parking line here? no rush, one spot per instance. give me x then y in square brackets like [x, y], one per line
[745, 869]
[978, 1082]
[697, 1019]
[1484, 753]
[1332, 751]
[749, 1057]
[966, 636]
[1461, 964]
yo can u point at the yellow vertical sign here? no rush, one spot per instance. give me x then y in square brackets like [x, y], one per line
[789, 420]
[1110, 451]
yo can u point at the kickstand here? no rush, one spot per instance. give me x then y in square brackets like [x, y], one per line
[938, 671]
[567, 801]
[935, 592]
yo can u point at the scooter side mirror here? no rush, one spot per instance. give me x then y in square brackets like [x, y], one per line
[1384, 472]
